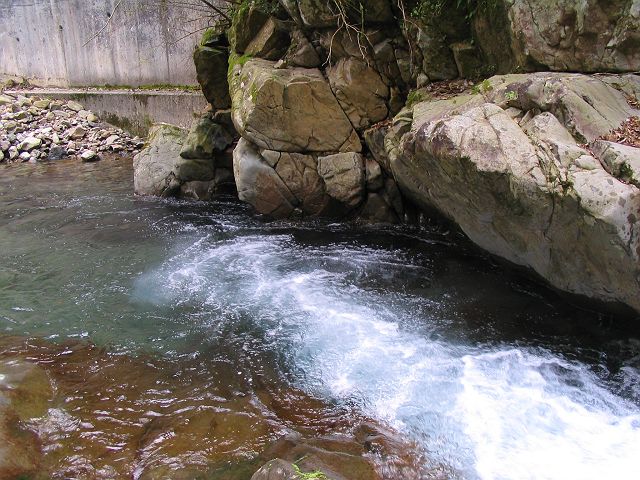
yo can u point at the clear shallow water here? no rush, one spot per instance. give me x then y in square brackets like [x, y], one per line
[492, 375]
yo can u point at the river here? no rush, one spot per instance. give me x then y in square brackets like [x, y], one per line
[180, 308]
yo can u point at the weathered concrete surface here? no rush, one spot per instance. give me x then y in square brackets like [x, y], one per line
[132, 110]
[42, 41]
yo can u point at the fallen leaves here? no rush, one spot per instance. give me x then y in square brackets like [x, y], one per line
[627, 134]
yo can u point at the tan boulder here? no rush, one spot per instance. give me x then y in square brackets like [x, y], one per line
[258, 183]
[344, 177]
[288, 110]
[360, 90]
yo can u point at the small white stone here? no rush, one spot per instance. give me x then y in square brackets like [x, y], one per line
[89, 156]
[112, 139]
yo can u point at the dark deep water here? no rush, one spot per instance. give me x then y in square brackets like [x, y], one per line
[179, 310]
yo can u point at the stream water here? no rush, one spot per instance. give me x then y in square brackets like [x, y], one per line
[185, 308]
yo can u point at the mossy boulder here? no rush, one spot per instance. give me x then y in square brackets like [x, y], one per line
[160, 170]
[206, 139]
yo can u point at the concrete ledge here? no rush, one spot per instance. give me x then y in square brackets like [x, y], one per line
[132, 110]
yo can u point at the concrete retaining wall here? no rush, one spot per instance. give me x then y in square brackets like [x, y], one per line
[42, 41]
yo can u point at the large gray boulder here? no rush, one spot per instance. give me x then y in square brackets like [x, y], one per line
[288, 110]
[509, 166]
[258, 183]
[561, 35]
[360, 90]
[160, 170]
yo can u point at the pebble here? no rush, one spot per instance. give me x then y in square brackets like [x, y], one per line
[29, 144]
[76, 133]
[42, 103]
[89, 156]
[57, 153]
[111, 139]
[34, 129]
[75, 106]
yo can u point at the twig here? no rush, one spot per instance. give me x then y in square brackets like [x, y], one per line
[95, 35]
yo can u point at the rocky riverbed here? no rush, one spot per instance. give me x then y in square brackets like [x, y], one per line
[40, 129]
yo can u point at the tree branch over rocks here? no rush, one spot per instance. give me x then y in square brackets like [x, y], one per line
[220, 12]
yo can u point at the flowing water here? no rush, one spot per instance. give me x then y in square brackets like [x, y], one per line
[206, 306]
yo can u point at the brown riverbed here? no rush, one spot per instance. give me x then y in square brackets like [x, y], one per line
[79, 411]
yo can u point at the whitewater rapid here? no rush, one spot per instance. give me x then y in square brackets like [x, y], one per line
[352, 329]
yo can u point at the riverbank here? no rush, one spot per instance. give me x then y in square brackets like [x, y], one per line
[41, 129]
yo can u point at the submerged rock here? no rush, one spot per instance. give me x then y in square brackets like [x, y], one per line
[166, 417]
[277, 469]
[25, 392]
[508, 165]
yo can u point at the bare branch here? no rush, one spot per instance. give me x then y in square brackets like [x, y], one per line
[95, 35]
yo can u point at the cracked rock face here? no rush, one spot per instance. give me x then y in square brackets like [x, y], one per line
[280, 184]
[510, 167]
[289, 110]
[159, 169]
[360, 90]
[562, 35]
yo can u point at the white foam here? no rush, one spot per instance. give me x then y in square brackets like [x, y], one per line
[527, 422]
